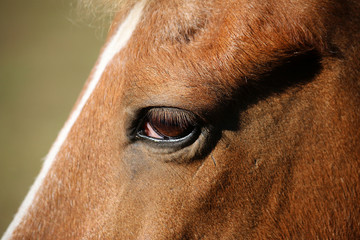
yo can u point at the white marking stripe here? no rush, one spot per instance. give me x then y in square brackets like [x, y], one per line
[117, 42]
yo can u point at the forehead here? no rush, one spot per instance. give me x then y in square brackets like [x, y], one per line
[210, 48]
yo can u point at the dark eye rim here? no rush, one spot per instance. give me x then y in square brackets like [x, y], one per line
[179, 142]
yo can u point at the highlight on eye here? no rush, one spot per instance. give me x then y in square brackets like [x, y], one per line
[167, 124]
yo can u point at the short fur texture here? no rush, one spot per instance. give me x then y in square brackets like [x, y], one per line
[276, 87]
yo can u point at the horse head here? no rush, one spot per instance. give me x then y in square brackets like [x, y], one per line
[210, 120]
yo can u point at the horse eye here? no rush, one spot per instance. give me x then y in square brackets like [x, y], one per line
[165, 129]
[167, 124]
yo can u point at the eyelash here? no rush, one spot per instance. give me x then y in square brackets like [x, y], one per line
[170, 117]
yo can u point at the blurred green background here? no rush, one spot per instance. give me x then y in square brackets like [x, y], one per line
[46, 54]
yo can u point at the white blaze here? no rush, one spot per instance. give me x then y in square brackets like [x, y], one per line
[117, 42]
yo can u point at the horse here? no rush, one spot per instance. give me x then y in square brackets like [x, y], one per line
[232, 119]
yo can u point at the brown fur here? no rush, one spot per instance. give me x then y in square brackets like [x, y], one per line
[276, 85]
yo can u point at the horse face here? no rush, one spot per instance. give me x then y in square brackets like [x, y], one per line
[210, 119]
